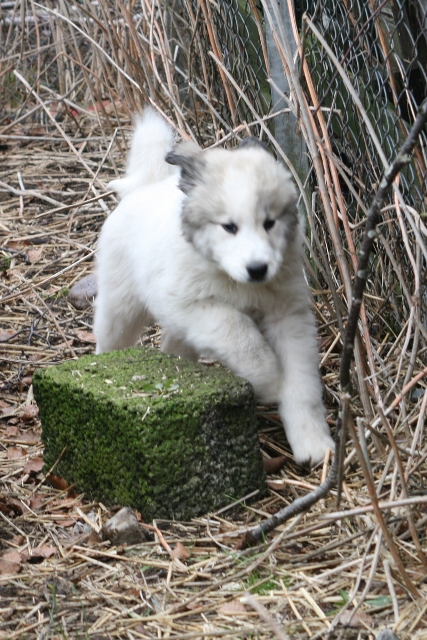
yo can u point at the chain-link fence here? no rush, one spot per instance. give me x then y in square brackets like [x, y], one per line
[381, 46]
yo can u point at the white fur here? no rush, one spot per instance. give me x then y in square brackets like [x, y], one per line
[165, 256]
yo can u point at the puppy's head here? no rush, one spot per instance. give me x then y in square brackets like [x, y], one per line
[241, 208]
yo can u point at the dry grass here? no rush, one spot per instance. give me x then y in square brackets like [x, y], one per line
[67, 102]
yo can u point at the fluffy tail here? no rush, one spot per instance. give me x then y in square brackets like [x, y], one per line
[153, 138]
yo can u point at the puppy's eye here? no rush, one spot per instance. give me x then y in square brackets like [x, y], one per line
[230, 228]
[269, 224]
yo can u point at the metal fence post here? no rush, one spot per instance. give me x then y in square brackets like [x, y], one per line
[285, 124]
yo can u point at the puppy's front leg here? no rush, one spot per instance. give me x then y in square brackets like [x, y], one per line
[235, 340]
[293, 338]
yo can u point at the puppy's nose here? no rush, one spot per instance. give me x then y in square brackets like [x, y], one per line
[257, 270]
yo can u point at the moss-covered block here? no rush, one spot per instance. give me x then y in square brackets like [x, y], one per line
[169, 437]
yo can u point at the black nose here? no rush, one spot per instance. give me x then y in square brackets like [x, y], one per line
[257, 271]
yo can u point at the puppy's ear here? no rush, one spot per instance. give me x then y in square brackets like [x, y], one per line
[188, 156]
[252, 142]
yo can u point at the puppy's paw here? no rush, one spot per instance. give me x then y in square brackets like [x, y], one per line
[309, 436]
[309, 451]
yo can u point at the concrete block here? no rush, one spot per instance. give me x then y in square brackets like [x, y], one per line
[171, 438]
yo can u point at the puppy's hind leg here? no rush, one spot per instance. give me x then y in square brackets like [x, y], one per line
[116, 326]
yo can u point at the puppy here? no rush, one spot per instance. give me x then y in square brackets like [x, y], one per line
[208, 244]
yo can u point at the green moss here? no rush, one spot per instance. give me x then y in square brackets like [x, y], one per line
[141, 428]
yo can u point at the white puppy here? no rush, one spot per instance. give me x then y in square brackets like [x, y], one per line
[211, 250]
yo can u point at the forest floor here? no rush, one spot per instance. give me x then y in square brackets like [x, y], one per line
[324, 572]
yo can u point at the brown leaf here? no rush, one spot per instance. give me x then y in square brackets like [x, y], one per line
[180, 552]
[85, 336]
[93, 539]
[34, 465]
[65, 523]
[359, 619]
[15, 452]
[57, 482]
[45, 551]
[8, 568]
[27, 436]
[12, 556]
[232, 607]
[12, 431]
[18, 506]
[273, 465]
[36, 502]
[30, 412]
[10, 562]
[65, 345]
[34, 254]
[19, 539]
[6, 334]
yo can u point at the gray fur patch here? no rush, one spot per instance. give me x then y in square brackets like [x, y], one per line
[188, 156]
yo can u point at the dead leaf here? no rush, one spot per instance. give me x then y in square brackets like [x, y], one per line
[34, 254]
[5, 407]
[14, 453]
[10, 562]
[34, 465]
[57, 482]
[65, 523]
[41, 553]
[36, 502]
[12, 431]
[19, 539]
[30, 412]
[232, 607]
[273, 465]
[65, 345]
[18, 506]
[8, 568]
[358, 619]
[27, 436]
[180, 552]
[93, 539]
[85, 336]
[6, 334]
[12, 556]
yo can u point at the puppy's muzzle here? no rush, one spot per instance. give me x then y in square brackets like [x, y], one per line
[257, 271]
